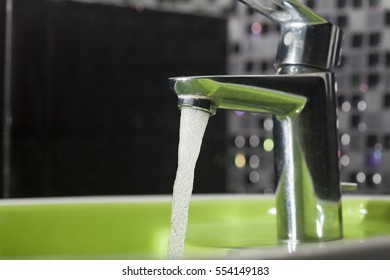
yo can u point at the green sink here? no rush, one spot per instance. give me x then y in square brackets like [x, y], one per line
[138, 227]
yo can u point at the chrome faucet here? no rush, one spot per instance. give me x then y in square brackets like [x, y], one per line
[301, 97]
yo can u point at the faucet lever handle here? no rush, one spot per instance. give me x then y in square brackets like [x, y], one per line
[264, 8]
[285, 11]
[307, 39]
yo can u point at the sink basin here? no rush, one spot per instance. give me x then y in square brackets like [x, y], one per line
[224, 226]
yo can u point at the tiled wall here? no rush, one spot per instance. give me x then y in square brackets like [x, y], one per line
[363, 82]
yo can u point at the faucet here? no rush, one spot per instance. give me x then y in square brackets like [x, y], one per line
[301, 96]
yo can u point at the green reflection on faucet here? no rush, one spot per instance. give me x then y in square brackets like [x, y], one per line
[241, 97]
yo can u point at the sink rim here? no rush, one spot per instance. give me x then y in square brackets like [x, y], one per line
[160, 198]
[305, 251]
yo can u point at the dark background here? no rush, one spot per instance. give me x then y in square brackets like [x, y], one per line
[92, 112]
[2, 86]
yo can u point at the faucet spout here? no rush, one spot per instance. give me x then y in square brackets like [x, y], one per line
[236, 93]
[305, 136]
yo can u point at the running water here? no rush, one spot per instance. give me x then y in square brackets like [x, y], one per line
[193, 124]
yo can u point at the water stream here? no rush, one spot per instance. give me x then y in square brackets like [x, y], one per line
[193, 124]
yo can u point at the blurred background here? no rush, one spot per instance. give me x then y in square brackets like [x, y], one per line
[86, 107]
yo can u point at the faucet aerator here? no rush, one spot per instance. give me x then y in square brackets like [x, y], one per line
[197, 102]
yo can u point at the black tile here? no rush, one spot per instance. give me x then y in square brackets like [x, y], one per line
[250, 11]
[357, 40]
[352, 176]
[311, 4]
[236, 48]
[369, 180]
[386, 142]
[373, 80]
[264, 28]
[374, 39]
[355, 100]
[264, 66]
[373, 59]
[386, 100]
[387, 59]
[374, 3]
[372, 140]
[342, 21]
[341, 3]
[357, 3]
[249, 66]
[355, 121]
[387, 18]
[340, 100]
[355, 80]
